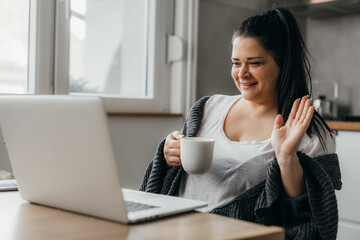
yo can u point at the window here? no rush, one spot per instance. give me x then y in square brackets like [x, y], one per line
[108, 47]
[115, 49]
[14, 22]
[132, 53]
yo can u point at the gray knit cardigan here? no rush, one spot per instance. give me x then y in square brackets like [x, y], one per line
[313, 215]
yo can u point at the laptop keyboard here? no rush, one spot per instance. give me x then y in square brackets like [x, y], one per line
[134, 206]
[8, 185]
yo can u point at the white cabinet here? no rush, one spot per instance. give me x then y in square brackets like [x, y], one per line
[348, 150]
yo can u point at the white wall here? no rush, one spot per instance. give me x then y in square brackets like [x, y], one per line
[135, 140]
[217, 21]
[333, 44]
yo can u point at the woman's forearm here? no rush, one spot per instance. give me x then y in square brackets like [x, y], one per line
[292, 174]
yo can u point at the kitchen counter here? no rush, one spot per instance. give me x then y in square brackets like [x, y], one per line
[344, 126]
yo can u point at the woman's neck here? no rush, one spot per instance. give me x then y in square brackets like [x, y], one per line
[257, 109]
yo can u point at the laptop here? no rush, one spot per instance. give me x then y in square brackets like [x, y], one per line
[8, 185]
[62, 156]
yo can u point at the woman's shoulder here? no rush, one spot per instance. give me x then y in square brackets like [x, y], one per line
[219, 100]
[221, 97]
[212, 106]
[313, 146]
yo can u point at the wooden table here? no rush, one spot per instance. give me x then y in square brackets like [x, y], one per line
[22, 220]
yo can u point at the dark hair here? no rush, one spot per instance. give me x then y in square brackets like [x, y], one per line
[278, 32]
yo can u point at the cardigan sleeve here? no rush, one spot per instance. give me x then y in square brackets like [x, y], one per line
[159, 177]
[315, 209]
[164, 179]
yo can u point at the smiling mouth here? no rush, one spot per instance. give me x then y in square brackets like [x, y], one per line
[248, 84]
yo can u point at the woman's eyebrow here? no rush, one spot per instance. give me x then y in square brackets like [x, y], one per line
[249, 58]
[252, 58]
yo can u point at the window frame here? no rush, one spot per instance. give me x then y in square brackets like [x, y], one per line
[158, 71]
[41, 47]
[174, 88]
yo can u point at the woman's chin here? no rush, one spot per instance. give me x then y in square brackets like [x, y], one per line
[247, 96]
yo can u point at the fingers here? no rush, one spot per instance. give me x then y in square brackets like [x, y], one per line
[307, 106]
[176, 135]
[301, 107]
[301, 112]
[294, 110]
[278, 123]
[172, 148]
[173, 161]
[173, 139]
[309, 116]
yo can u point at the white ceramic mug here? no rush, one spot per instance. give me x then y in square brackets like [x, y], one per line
[196, 154]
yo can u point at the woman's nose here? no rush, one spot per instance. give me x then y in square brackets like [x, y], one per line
[243, 72]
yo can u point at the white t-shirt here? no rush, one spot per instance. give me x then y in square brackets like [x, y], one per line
[237, 166]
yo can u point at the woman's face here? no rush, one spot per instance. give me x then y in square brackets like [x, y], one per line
[254, 70]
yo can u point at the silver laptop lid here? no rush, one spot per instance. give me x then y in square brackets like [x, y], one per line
[45, 136]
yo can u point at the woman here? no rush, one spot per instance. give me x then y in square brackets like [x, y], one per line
[263, 171]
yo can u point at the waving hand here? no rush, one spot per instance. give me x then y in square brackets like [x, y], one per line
[286, 139]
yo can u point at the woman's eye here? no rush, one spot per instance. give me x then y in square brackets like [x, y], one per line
[236, 63]
[255, 63]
